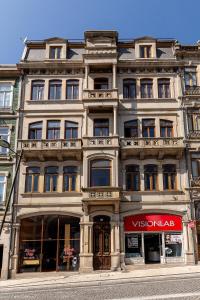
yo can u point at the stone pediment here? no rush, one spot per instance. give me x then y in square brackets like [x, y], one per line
[146, 39]
[55, 40]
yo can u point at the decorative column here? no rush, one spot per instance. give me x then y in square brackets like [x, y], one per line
[122, 246]
[116, 183]
[114, 75]
[141, 177]
[15, 254]
[114, 120]
[86, 246]
[160, 178]
[85, 129]
[86, 76]
[115, 244]
[46, 89]
[124, 179]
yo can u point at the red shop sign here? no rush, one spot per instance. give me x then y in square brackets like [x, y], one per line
[150, 222]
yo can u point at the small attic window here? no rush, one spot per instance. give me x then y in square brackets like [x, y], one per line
[55, 52]
[146, 51]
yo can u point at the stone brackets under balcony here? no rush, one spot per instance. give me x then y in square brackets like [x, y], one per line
[100, 142]
[100, 98]
[144, 147]
[101, 196]
[45, 149]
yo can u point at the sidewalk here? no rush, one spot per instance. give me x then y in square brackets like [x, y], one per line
[141, 273]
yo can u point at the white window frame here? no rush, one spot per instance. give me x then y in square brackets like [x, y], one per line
[5, 174]
[11, 94]
[8, 140]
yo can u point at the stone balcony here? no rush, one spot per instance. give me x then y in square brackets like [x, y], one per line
[44, 149]
[194, 134]
[100, 98]
[193, 91]
[101, 196]
[152, 147]
[195, 182]
[100, 142]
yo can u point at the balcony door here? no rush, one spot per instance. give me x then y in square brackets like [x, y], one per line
[101, 243]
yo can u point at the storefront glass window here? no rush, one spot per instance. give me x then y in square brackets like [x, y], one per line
[133, 245]
[173, 244]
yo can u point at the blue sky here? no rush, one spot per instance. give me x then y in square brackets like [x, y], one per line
[39, 19]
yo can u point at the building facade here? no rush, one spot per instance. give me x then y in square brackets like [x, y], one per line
[9, 101]
[104, 180]
[190, 56]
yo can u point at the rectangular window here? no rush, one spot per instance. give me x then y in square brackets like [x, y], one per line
[146, 88]
[53, 130]
[4, 135]
[71, 130]
[51, 178]
[69, 178]
[37, 92]
[148, 128]
[55, 52]
[72, 89]
[169, 177]
[2, 188]
[101, 127]
[35, 131]
[173, 244]
[195, 168]
[100, 173]
[164, 88]
[133, 245]
[32, 179]
[190, 77]
[145, 51]
[150, 177]
[5, 95]
[132, 178]
[131, 129]
[166, 128]
[129, 88]
[55, 88]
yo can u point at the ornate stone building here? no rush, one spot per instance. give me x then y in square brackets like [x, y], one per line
[103, 182]
[9, 101]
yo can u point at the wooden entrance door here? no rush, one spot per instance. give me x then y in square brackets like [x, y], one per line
[101, 244]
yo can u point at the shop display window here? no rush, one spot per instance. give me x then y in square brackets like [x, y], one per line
[133, 245]
[173, 244]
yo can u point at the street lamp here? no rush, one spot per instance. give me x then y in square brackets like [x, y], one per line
[5, 144]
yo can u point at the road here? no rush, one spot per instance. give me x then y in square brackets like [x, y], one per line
[187, 287]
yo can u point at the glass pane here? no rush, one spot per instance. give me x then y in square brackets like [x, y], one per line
[100, 163]
[31, 228]
[35, 183]
[151, 132]
[47, 183]
[66, 183]
[70, 169]
[100, 177]
[51, 170]
[71, 124]
[53, 124]
[30, 256]
[173, 245]
[133, 245]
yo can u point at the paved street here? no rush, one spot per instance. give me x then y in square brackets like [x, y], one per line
[180, 287]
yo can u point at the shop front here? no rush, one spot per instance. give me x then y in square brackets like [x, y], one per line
[49, 243]
[153, 238]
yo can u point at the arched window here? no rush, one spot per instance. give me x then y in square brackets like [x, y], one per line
[32, 179]
[166, 128]
[72, 87]
[148, 127]
[129, 88]
[131, 129]
[69, 178]
[164, 88]
[150, 177]
[55, 87]
[71, 130]
[146, 88]
[51, 178]
[132, 178]
[53, 130]
[37, 90]
[101, 83]
[100, 173]
[35, 131]
[169, 177]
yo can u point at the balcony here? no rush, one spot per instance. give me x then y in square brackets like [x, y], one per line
[100, 142]
[101, 196]
[152, 147]
[193, 91]
[194, 134]
[195, 182]
[44, 149]
[100, 98]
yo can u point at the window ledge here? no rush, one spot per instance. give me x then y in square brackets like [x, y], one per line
[51, 194]
[149, 100]
[171, 192]
[65, 101]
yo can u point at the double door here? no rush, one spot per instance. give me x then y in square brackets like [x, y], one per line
[101, 246]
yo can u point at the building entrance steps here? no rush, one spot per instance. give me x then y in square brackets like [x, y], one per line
[137, 273]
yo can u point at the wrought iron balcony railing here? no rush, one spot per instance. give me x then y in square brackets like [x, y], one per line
[195, 182]
[193, 91]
